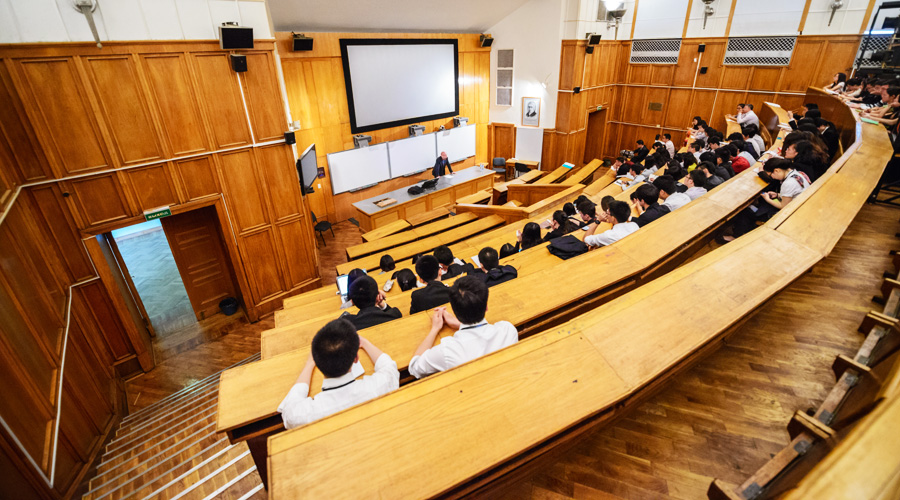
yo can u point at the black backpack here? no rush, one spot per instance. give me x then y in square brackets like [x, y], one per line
[566, 247]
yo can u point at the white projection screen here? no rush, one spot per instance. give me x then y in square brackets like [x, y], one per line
[393, 82]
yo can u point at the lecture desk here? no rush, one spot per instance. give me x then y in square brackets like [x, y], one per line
[448, 189]
[511, 166]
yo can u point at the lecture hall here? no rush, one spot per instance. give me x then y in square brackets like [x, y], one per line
[506, 249]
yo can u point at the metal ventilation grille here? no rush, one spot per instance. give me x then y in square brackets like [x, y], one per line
[655, 51]
[763, 51]
[875, 44]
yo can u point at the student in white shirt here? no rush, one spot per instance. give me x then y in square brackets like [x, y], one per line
[634, 176]
[751, 134]
[670, 146]
[696, 148]
[669, 194]
[793, 182]
[335, 352]
[620, 212]
[745, 115]
[474, 336]
[696, 182]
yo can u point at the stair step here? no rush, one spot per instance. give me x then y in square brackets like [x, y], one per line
[124, 435]
[239, 486]
[167, 423]
[207, 479]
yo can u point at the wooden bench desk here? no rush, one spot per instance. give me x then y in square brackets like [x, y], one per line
[554, 176]
[381, 244]
[584, 175]
[386, 230]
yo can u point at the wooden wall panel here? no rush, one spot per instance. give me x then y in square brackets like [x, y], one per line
[711, 59]
[263, 97]
[735, 77]
[60, 227]
[123, 104]
[29, 160]
[634, 104]
[152, 186]
[98, 198]
[657, 95]
[245, 200]
[299, 253]
[96, 310]
[62, 115]
[259, 248]
[765, 78]
[198, 177]
[221, 98]
[276, 164]
[169, 80]
[678, 114]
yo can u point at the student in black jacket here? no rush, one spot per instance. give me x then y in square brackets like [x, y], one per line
[712, 180]
[641, 152]
[491, 272]
[720, 170]
[372, 304]
[560, 226]
[723, 161]
[434, 293]
[450, 266]
[830, 137]
[646, 198]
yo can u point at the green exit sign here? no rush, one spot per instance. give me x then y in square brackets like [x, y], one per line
[158, 213]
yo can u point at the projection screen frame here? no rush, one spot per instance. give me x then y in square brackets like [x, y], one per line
[348, 84]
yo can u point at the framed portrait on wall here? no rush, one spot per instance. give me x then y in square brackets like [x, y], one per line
[531, 111]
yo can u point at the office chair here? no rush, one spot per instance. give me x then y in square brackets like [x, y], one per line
[521, 168]
[321, 227]
[499, 165]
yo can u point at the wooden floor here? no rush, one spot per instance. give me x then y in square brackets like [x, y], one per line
[334, 250]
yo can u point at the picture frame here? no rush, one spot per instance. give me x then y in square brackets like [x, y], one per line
[531, 111]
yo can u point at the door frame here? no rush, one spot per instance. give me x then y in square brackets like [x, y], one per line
[603, 132]
[135, 296]
[227, 232]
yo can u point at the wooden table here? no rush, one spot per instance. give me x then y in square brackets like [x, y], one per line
[511, 166]
[449, 188]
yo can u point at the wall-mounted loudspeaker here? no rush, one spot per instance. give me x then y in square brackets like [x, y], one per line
[589, 49]
[576, 90]
[593, 38]
[701, 47]
[703, 70]
[302, 42]
[290, 138]
[233, 37]
[238, 62]
[485, 40]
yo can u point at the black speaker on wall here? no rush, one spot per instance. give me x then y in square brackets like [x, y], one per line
[701, 47]
[290, 138]
[589, 49]
[233, 37]
[302, 43]
[485, 40]
[238, 62]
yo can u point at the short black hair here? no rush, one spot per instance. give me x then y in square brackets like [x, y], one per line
[698, 144]
[648, 193]
[635, 167]
[620, 210]
[640, 141]
[813, 113]
[620, 159]
[605, 201]
[443, 255]
[774, 163]
[335, 347]
[709, 156]
[353, 275]
[737, 136]
[749, 105]
[363, 292]
[569, 209]
[427, 268]
[489, 258]
[724, 154]
[468, 299]
[812, 105]
[688, 159]
[386, 263]
[667, 136]
[506, 250]
[587, 207]
[698, 177]
[559, 217]
[406, 279]
[708, 166]
[713, 140]
[665, 183]
[749, 129]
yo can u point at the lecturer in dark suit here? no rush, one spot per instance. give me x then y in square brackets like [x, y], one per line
[373, 307]
[440, 164]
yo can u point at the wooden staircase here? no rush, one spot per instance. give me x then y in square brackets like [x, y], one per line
[171, 450]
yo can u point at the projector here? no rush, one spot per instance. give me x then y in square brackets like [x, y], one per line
[415, 130]
[460, 121]
[361, 141]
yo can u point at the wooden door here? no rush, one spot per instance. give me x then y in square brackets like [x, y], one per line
[129, 282]
[199, 253]
[596, 130]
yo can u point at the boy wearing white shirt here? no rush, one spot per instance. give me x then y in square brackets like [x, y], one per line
[475, 337]
[335, 352]
[669, 194]
[620, 212]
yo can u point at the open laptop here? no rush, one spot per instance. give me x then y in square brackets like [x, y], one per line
[343, 287]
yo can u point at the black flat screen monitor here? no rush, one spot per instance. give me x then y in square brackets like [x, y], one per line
[307, 167]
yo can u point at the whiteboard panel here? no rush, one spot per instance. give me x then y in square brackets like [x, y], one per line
[458, 142]
[529, 143]
[355, 168]
[412, 155]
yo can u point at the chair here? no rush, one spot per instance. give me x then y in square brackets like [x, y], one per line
[521, 168]
[499, 165]
[321, 227]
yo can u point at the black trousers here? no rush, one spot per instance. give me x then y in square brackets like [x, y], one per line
[746, 220]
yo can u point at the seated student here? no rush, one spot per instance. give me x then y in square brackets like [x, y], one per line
[588, 212]
[807, 158]
[641, 152]
[406, 279]
[750, 133]
[723, 161]
[335, 352]
[672, 199]
[620, 213]
[696, 183]
[386, 264]
[434, 293]
[635, 176]
[698, 131]
[491, 272]
[529, 236]
[746, 147]
[560, 225]
[603, 215]
[696, 148]
[372, 304]
[670, 146]
[720, 170]
[507, 250]
[712, 180]
[474, 336]
[688, 161]
[618, 163]
[738, 163]
[793, 182]
[352, 276]
[677, 172]
[741, 147]
[646, 199]
[572, 214]
[837, 83]
[713, 143]
[852, 89]
[450, 266]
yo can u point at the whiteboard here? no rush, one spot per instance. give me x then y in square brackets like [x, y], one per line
[529, 143]
[355, 168]
[412, 155]
[458, 142]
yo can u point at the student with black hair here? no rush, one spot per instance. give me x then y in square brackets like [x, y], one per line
[837, 83]
[434, 293]
[745, 115]
[386, 264]
[352, 276]
[635, 176]
[372, 304]
[335, 352]
[696, 183]
[572, 214]
[646, 199]
[620, 212]
[669, 194]
[793, 182]
[559, 226]
[713, 143]
[750, 133]
[739, 160]
[491, 272]
[697, 148]
[474, 336]
[710, 157]
[450, 266]
[807, 158]
[507, 250]
[640, 152]
[670, 146]
[712, 180]
[588, 212]
[528, 237]
[723, 162]
[405, 279]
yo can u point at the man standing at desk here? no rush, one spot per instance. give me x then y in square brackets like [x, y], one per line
[440, 164]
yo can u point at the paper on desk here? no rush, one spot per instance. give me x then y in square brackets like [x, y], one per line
[476, 261]
[358, 370]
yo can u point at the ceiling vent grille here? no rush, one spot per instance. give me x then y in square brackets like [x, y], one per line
[761, 51]
[655, 51]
